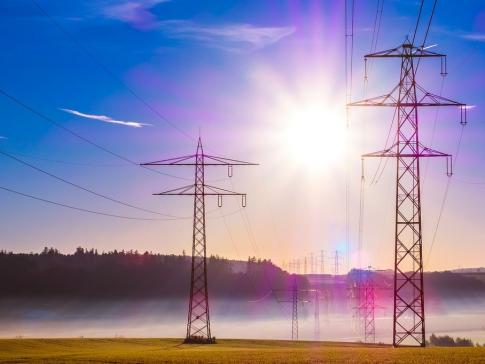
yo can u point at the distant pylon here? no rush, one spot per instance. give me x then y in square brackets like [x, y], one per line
[311, 264]
[368, 313]
[407, 97]
[294, 311]
[336, 270]
[322, 262]
[294, 299]
[305, 266]
[298, 266]
[198, 322]
[317, 314]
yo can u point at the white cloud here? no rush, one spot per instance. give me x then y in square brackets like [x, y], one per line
[137, 13]
[479, 37]
[228, 36]
[232, 37]
[105, 119]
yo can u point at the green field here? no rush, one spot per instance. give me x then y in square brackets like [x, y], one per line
[225, 351]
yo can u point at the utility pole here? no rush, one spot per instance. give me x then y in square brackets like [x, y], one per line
[312, 271]
[407, 97]
[198, 321]
[322, 262]
[305, 266]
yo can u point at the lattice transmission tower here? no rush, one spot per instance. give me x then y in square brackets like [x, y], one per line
[368, 300]
[198, 321]
[407, 97]
[295, 299]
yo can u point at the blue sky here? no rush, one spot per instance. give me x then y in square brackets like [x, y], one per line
[233, 70]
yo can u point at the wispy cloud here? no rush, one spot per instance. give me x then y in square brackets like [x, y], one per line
[231, 37]
[227, 36]
[137, 13]
[105, 119]
[479, 37]
[470, 36]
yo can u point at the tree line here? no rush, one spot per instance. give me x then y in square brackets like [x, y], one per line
[130, 274]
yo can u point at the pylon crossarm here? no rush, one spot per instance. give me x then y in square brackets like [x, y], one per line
[405, 51]
[378, 100]
[424, 152]
[221, 161]
[430, 99]
[178, 191]
[208, 191]
[216, 191]
[427, 99]
[176, 161]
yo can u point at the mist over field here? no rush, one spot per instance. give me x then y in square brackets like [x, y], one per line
[230, 319]
[128, 294]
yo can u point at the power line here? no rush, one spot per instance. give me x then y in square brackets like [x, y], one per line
[445, 196]
[348, 90]
[60, 161]
[378, 173]
[79, 136]
[417, 21]
[375, 38]
[95, 60]
[427, 32]
[429, 23]
[79, 208]
[87, 189]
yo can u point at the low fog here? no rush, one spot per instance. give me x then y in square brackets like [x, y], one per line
[265, 319]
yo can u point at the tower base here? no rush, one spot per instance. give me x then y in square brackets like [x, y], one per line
[199, 340]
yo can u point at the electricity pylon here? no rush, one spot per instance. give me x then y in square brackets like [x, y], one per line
[294, 311]
[364, 295]
[198, 321]
[368, 307]
[294, 300]
[407, 97]
[336, 264]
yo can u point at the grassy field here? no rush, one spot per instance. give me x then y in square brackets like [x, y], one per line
[225, 351]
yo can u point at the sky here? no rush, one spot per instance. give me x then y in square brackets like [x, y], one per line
[262, 81]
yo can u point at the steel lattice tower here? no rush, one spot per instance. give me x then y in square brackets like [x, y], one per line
[407, 97]
[295, 298]
[294, 311]
[317, 314]
[336, 263]
[198, 321]
[368, 307]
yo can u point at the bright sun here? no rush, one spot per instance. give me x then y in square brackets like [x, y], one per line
[316, 136]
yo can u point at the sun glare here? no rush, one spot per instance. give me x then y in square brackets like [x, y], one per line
[316, 136]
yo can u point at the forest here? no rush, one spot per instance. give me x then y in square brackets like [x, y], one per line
[130, 274]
